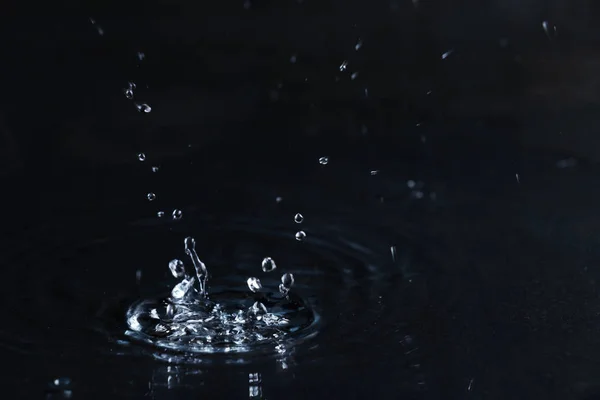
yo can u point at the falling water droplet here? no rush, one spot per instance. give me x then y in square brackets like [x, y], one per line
[151, 196]
[447, 54]
[160, 214]
[293, 59]
[411, 184]
[177, 268]
[393, 251]
[143, 107]
[343, 66]
[278, 199]
[298, 218]
[324, 160]
[287, 281]
[141, 157]
[154, 169]
[374, 172]
[300, 236]
[254, 284]
[268, 264]
[354, 75]
[358, 44]
[177, 214]
[141, 55]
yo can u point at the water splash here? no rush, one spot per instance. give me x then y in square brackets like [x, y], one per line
[190, 320]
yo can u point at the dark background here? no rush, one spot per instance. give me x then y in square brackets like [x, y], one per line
[231, 110]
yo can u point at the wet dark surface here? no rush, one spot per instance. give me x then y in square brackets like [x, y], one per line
[486, 188]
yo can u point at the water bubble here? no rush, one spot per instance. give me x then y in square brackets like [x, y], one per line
[154, 169]
[141, 157]
[177, 214]
[177, 268]
[298, 218]
[151, 196]
[343, 66]
[143, 107]
[358, 44]
[287, 281]
[323, 160]
[300, 236]
[160, 214]
[268, 264]
[254, 284]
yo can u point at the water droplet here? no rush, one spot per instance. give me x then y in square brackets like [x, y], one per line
[354, 75]
[358, 44]
[160, 214]
[343, 66]
[141, 157]
[138, 275]
[254, 284]
[411, 184]
[154, 169]
[324, 160]
[151, 196]
[293, 59]
[177, 214]
[287, 281]
[298, 218]
[300, 236]
[177, 268]
[129, 90]
[374, 172]
[278, 199]
[61, 382]
[268, 264]
[141, 55]
[447, 54]
[143, 107]
[393, 251]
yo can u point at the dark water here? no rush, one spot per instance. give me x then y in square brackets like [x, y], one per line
[477, 170]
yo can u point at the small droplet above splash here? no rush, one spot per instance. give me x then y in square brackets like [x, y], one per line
[143, 107]
[324, 160]
[374, 172]
[151, 196]
[177, 268]
[268, 264]
[278, 199]
[160, 214]
[177, 214]
[287, 281]
[343, 65]
[298, 218]
[358, 44]
[154, 169]
[300, 236]
[128, 91]
[141, 157]
[254, 284]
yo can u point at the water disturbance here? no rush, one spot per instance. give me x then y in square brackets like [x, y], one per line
[191, 320]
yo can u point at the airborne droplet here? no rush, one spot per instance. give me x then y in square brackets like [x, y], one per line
[268, 264]
[300, 236]
[323, 160]
[298, 218]
[254, 284]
